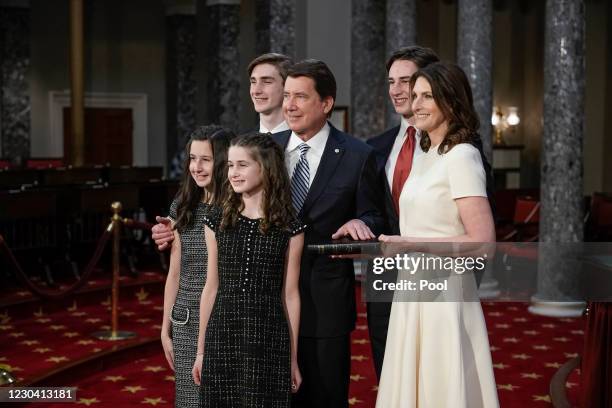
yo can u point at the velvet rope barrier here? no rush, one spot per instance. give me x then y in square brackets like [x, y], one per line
[54, 295]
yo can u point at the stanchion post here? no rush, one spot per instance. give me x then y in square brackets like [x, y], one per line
[114, 333]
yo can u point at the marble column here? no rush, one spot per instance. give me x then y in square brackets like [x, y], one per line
[275, 26]
[14, 93]
[368, 84]
[474, 55]
[221, 94]
[400, 31]
[561, 188]
[181, 84]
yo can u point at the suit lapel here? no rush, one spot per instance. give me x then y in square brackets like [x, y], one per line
[332, 155]
[389, 140]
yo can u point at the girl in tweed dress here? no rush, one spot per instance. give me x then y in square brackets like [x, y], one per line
[249, 319]
[204, 177]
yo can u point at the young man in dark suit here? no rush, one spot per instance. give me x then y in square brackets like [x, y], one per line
[335, 190]
[396, 149]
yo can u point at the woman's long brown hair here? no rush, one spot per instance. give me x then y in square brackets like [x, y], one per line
[277, 207]
[453, 95]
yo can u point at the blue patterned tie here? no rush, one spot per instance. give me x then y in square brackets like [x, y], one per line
[300, 179]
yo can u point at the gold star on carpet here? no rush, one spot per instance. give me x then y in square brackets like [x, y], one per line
[157, 326]
[531, 332]
[359, 357]
[495, 314]
[354, 401]
[29, 342]
[549, 325]
[493, 348]
[17, 334]
[97, 349]
[144, 320]
[57, 327]
[500, 366]
[361, 314]
[561, 339]
[158, 308]
[144, 302]
[88, 401]
[552, 365]
[169, 378]
[5, 327]
[74, 307]
[78, 314]
[577, 332]
[43, 320]
[42, 350]
[84, 342]
[570, 384]
[357, 377]
[40, 313]
[93, 320]
[128, 314]
[92, 282]
[105, 327]
[58, 359]
[508, 387]
[5, 318]
[511, 340]
[360, 341]
[23, 293]
[3, 359]
[133, 389]
[544, 398]
[542, 347]
[142, 295]
[520, 319]
[114, 378]
[153, 401]
[521, 356]
[567, 320]
[361, 327]
[106, 302]
[375, 388]
[154, 369]
[502, 326]
[513, 308]
[533, 376]
[571, 355]
[70, 334]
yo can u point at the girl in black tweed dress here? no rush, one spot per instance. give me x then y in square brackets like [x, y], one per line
[249, 316]
[204, 178]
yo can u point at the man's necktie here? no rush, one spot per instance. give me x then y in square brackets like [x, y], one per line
[403, 166]
[300, 179]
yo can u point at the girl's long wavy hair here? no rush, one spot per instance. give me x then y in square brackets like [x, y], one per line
[190, 194]
[453, 95]
[277, 207]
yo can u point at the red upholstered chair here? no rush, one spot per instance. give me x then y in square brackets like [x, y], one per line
[44, 163]
[525, 221]
[599, 218]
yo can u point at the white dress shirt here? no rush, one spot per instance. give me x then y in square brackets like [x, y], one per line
[313, 156]
[279, 128]
[397, 146]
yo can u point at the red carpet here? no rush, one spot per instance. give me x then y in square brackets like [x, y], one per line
[527, 350]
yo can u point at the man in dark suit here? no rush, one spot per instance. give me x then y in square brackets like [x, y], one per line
[396, 148]
[335, 190]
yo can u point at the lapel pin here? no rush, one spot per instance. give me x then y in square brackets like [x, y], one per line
[337, 150]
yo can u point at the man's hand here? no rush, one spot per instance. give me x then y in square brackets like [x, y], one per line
[356, 229]
[162, 233]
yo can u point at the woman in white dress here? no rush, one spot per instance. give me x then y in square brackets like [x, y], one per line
[437, 353]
